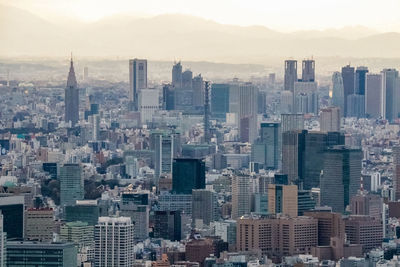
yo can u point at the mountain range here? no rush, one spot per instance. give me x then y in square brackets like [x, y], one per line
[175, 36]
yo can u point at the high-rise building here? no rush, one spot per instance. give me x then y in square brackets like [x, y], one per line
[305, 97]
[12, 208]
[241, 195]
[206, 119]
[373, 96]
[286, 102]
[356, 106]
[292, 122]
[330, 225]
[71, 184]
[396, 172]
[168, 97]
[290, 75]
[164, 148]
[348, 84]
[205, 206]
[338, 92]
[3, 243]
[148, 104]
[305, 201]
[198, 91]
[391, 95]
[282, 199]
[219, 101]
[136, 206]
[137, 80]
[341, 176]
[167, 225]
[177, 75]
[39, 224]
[308, 70]
[114, 242]
[71, 97]
[248, 112]
[28, 253]
[367, 204]
[277, 237]
[267, 149]
[329, 120]
[188, 174]
[292, 149]
[360, 80]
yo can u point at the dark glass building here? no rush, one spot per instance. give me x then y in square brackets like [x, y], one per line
[12, 208]
[188, 174]
[219, 100]
[341, 176]
[88, 211]
[51, 168]
[167, 225]
[348, 84]
[361, 75]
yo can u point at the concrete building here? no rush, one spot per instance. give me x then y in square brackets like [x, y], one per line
[137, 80]
[330, 119]
[306, 98]
[373, 96]
[282, 199]
[248, 112]
[290, 75]
[79, 233]
[367, 204]
[3, 243]
[114, 242]
[292, 122]
[277, 237]
[396, 172]
[205, 206]
[308, 70]
[39, 224]
[148, 104]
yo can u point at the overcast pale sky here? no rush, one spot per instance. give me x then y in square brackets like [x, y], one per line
[284, 15]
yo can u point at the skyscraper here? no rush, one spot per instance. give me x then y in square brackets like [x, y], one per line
[164, 153]
[177, 75]
[308, 70]
[241, 195]
[338, 91]
[71, 184]
[188, 174]
[290, 74]
[219, 101]
[348, 84]
[114, 242]
[292, 122]
[391, 94]
[360, 80]
[136, 206]
[168, 225]
[269, 144]
[248, 112]
[204, 206]
[148, 103]
[329, 120]
[373, 96]
[396, 172]
[207, 133]
[71, 97]
[12, 208]
[306, 98]
[341, 176]
[356, 106]
[137, 80]
[198, 91]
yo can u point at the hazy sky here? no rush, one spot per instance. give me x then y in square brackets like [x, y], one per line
[284, 15]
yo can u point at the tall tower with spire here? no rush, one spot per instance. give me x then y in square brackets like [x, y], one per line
[71, 97]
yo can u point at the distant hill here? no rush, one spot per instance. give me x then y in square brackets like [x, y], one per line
[166, 37]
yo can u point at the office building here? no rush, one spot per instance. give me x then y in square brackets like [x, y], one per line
[164, 149]
[306, 98]
[248, 112]
[290, 75]
[356, 106]
[12, 208]
[198, 91]
[367, 204]
[390, 98]
[168, 97]
[329, 120]
[177, 75]
[241, 195]
[282, 199]
[373, 96]
[308, 70]
[338, 92]
[360, 80]
[137, 80]
[266, 150]
[219, 101]
[39, 224]
[396, 172]
[187, 174]
[364, 230]
[341, 176]
[85, 211]
[71, 184]
[286, 100]
[167, 225]
[136, 206]
[28, 253]
[330, 225]
[348, 84]
[71, 98]
[305, 201]
[292, 122]
[205, 206]
[148, 104]
[114, 242]
[173, 202]
[292, 149]
[79, 233]
[3, 243]
[277, 237]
